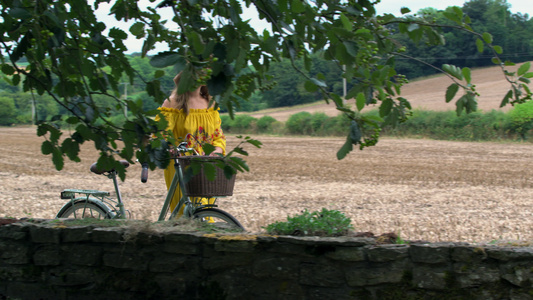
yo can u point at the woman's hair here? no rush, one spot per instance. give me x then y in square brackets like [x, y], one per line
[182, 101]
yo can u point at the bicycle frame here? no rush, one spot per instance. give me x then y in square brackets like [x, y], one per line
[185, 201]
[176, 180]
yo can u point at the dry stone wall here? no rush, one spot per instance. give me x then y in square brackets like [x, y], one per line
[50, 261]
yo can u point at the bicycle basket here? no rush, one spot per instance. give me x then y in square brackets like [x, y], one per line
[200, 186]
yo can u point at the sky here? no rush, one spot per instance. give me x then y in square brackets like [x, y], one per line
[386, 6]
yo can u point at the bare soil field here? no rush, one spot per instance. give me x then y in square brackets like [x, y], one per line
[427, 94]
[419, 189]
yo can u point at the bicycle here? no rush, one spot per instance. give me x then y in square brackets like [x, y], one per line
[99, 205]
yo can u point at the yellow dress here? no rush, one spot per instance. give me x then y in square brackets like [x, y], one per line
[199, 127]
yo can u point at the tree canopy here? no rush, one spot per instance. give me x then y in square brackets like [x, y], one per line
[70, 56]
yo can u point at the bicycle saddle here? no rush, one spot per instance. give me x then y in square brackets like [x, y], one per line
[95, 169]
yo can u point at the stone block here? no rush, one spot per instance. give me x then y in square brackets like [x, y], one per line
[181, 248]
[82, 254]
[347, 253]
[431, 253]
[47, 255]
[107, 235]
[76, 234]
[431, 277]
[147, 238]
[360, 275]
[78, 277]
[170, 263]
[182, 238]
[468, 254]
[126, 260]
[519, 274]
[321, 274]
[226, 261]
[13, 232]
[43, 234]
[510, 254]
[276, 267]
[385, 253]
[469, 275]
[12, 252]
[235, 245]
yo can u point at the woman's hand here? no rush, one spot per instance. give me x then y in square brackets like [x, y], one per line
[217, 150]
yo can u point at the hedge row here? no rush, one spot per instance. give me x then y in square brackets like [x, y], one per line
[444, 125]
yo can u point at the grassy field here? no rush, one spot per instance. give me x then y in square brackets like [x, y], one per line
[419, 189]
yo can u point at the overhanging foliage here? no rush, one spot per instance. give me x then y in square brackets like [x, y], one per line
[72, 58]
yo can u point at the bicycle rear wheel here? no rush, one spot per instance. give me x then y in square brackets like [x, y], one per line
[218, 218]
[85, 209]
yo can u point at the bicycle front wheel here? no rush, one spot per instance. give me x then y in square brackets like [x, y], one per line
[84, 209]
[218, 218]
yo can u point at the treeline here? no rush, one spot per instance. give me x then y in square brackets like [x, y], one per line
[517, 124]
[20, 107]
[513, 32]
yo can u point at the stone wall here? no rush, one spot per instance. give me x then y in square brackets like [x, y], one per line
[47, 261]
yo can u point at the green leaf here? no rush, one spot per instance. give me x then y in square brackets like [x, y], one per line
[523, 69]
[159, 74]
[319, 83]
[209, 171]
[19, 13]
[467, 75]
[351, 48]
[355, 133]
[47, 147]
[523, 79]
[348, 25]
[345, 149]
[338, 100]
[460, 104]
[310, 86]
[165, 59]
[7, 69]
[240, 162]
[480, 45]
[57, 159]
[451, 91]
[453, 70]
[137, 29]
[297, 6]
[71, 149]
[385, 108]
[360, 101]
[458, 11]
[498, 49]
[487, 37]
[208, 148]
[405, 10]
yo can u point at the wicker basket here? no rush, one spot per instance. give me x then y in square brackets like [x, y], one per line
[200, 186]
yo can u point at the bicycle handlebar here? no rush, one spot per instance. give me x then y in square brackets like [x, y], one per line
[182, 148]
[144, 172]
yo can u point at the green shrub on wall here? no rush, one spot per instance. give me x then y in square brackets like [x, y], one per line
[318, 223]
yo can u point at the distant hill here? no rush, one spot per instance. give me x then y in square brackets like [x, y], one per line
[427, 94]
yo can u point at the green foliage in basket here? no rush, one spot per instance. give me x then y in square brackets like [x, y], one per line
[318, 223]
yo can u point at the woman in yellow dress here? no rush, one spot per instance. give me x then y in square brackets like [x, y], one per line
[191, 119]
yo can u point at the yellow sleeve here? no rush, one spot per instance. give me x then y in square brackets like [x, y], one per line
[219, 139]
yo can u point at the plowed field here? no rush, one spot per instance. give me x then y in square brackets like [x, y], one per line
[421, 189]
